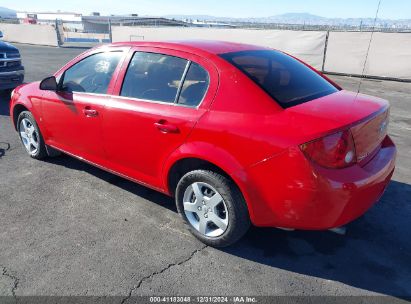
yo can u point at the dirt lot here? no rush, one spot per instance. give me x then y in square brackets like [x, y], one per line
[67, 228]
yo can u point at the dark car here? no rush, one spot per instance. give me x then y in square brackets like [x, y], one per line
[11, 69]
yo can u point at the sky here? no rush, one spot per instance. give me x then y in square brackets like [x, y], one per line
[390, 9]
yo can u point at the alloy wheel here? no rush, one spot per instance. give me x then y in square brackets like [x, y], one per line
[29, 136]
[205, 209]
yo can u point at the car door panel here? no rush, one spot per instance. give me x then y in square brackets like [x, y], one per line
[74, 118]
[139, 135]
[70, 127]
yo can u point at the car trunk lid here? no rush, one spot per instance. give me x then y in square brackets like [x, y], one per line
[369, 134]
[365, 116]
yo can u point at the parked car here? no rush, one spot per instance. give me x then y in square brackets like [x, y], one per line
[11, 69]
[238, 134]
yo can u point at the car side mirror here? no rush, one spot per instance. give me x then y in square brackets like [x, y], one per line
[49, 84]
[1, 34]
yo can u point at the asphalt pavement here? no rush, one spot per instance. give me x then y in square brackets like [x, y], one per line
[67, 228]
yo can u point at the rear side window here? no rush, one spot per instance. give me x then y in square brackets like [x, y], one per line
[152, 76]
[195, 86]
[92, 74]
[284, 78]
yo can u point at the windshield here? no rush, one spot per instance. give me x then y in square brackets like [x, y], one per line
[284, 78]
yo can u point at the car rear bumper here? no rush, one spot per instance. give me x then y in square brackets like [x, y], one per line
[289, 191]
[11, 79]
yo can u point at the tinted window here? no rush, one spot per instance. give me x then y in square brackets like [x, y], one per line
[284, 78]
[153, 77]
[92, 74]
[195, 86]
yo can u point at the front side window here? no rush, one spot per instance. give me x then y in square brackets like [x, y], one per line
[92, 74]
[152, 76]
[284, 78]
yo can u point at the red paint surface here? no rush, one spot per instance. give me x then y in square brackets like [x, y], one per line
[237, 127]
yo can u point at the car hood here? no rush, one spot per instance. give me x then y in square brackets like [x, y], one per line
[6, 47]
[28, 89]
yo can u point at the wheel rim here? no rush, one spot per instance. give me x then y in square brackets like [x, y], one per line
[29, 136]
[205, 209]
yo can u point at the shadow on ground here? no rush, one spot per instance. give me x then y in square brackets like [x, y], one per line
[375, 254]
[3, 148]
[144, 192]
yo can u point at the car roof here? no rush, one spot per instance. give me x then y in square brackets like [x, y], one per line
[194, 46]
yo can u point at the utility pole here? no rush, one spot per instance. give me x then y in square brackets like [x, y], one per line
[110, 33]
[59, 32]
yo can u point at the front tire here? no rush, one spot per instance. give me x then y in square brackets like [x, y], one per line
[30, 135]
[212, 207]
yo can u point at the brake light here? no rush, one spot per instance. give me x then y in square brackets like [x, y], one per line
[333, 151]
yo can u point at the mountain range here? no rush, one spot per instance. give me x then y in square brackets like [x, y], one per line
[288, 18]
[298, 18]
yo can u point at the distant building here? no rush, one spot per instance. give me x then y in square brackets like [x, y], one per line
[94, 23]
[100, 24]
[50, 16]
[199, 23]
[74, 20]
[6, 13]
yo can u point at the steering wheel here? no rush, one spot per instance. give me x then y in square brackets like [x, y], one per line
[92, 83]
[72, 86]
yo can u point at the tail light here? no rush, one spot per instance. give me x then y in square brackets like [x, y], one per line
[333, 151]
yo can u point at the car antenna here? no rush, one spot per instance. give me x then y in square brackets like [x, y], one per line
[368, 49]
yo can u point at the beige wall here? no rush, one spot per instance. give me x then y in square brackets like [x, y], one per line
[308, 46]
[29, 33]
[86, 35]
[346, 52]
[389, 55]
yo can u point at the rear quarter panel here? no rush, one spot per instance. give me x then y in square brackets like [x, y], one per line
[254, 140]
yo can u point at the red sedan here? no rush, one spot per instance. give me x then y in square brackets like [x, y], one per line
[238, 134]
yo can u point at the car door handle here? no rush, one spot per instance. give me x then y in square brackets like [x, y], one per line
[90, 112]
[165, 127]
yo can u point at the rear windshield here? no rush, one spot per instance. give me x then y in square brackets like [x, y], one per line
[284, 78]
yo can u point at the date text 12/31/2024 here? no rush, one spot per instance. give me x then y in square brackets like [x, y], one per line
[203, 299]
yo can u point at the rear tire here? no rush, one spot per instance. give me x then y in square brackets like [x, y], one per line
[212, 207]
[30, 135]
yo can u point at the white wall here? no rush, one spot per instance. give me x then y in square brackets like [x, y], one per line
[52, 16]
[346, 52]
[29, 33]
[308, 46]
[389, 55]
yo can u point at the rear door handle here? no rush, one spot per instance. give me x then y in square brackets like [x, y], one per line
[89, 112]
[165, 127]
